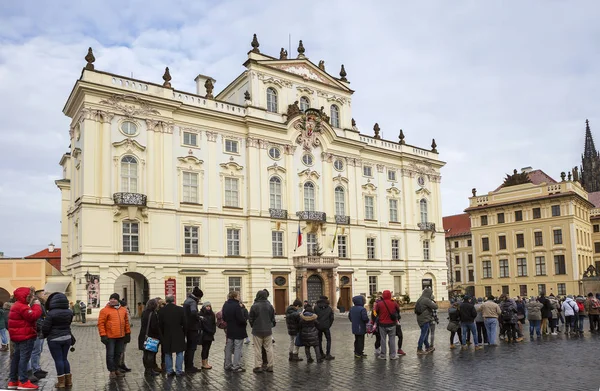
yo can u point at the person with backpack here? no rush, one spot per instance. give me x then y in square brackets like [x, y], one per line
[553, 320]
[570, 309]
[581, 314]
[292, 321]
[388, 314]
[424, 310]
[592, 307]
[359, 318]
[454, 324]
[149, 327]
[491, 312]
[325, 316]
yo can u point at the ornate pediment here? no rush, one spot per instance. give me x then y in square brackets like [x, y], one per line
[307, 71]
[310, 124]
[129, 145]
[393, 191]
[423, 191]
[231, 166]
[275, 168]
[369, 187]
[340, 179]
[190, 161]
[309, 174]
[138, 108]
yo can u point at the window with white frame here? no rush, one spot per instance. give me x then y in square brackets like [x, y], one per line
[190, 187]
[191, 282]
[277, 243]
[369, 208]
[271, 100]
[309, 197]
[191, 239]
[342, 242]
[423, 206]
[392, 175]
[235, 284]
[129, 128]
[304, 104]
[232, 146]
[335, 116]
[393, 210]
[190, 139]
[232, 192]
[275, 192]
[426, 255]
[340, 201]
[372, 285]
[370, 248]
[129, 174]
[233, 242]
[312, 245]
[131, 237]
[395, 249]
[368, 171]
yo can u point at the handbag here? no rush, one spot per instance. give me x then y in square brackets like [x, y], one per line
[453, 326]
[150, 344]
[73, 340]
[393, 317]
[298, 341]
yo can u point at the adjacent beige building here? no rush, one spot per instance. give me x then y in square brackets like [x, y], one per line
[164, 189]
[459, 255]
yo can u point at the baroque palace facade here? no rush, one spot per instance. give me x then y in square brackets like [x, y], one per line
[164, 190]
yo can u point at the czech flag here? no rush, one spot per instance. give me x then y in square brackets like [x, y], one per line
[299, 241]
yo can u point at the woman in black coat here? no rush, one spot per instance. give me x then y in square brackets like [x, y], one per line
[309, 333]
[209, 328]
[56, 328]
[150, 327]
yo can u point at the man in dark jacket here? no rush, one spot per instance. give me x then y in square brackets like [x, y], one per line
[292, 320]
[233, 315]
[546, 312]
[467, 322]
[192, 327]
[359, 318]
[325, 316]
[172, 326]
[262, 321]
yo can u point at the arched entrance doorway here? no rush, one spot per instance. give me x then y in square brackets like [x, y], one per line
[133, 288]
[314, 288]
[4, 295]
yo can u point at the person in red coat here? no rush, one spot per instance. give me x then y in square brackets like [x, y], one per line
[21, 326]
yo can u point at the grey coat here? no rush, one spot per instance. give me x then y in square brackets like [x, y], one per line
[262, 316]
[426, 300]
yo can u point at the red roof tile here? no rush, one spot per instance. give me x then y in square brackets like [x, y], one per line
[537, 177]
[45, 254]
[594, 198]
[457, 225]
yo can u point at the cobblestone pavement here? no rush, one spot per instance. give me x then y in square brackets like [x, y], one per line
[551, 363]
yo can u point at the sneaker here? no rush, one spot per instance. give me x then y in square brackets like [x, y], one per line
[170, 374]
[394, 357]
[363, 355]
[519, 339]
[40, 374]
[12, 385]
[478, 347]
[238, 370]
[430, 349]
[377, 352]
[421, 352]
[554, 333]
[258, 370]
[27, 386]
[381, 357]
[357, 355]
[401, 352]
[269, 369]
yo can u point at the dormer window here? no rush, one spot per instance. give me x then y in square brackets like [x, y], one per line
[335, 116]
[271, 100]
[304, 104]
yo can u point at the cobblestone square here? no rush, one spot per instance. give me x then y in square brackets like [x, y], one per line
[551, 363]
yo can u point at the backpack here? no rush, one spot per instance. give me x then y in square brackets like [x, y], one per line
[581, 307]
[419, 308]
[506, 315]
[595, 303]
[220, 322]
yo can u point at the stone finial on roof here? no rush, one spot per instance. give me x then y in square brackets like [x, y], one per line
[90, 60]
[322, 65]
[301, 49]
[575, 174]
[433, 146]
[343, 74]
[562, 176]
[401, 137]
[376, 130]
[167, 78]
[474, 192]
[283, 54]
[569, 176]
[208, 84]
[255, 45]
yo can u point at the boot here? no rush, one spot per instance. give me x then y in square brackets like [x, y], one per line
[291, 358]
[309, 358]
[61, 382]
[296, 357]
[68, 380]
[3, 348]
[205, 365]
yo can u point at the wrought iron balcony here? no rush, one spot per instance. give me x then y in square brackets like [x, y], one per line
[426, 226]
[316, 262]
[129, 199]
[308, 215]
[278, 213]
[341, 219]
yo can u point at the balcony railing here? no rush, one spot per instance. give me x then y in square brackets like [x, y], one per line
[308, 215]
[129, 199]
[341, 219]
[278, 213]
[426, 226]
[316, 262]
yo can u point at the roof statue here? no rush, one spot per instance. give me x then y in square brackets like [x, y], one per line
[283, 54]
[208, 84]
[90, 60]
[322, 65]
[376, 130]
[301, 49]
[433, 146]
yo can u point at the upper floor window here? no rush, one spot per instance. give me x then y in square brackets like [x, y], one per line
[131, 237]
[537, 213]
[555, 210]
[190, 187]
[367, 171]
[519, 215]
[129, 128]
[520, 240]
[129, 174]
[312, 244]
[338, 165]
[426, 250]
[596, 227]
[485, 244]
[392, 175]
[277, 243]
[232, 146]
[423, 205]
[233, 242]
[271, 100]
[275, 192]
[395, 249]
[232, 192]
[340, 201]
[484, 220]
[309, 196]
[274, 153]
[342, 246]
[335, 116]
[558, 236]
[394, 211]
[191, 240]
[304, 104]
[369, 208]
[190, 139]
[500, 218]
[371, 248]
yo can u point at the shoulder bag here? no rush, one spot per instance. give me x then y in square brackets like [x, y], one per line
[150, 344]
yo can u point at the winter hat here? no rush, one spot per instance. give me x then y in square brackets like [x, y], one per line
[206, 304]
[197, 292]
[569, 296]
[115, 296]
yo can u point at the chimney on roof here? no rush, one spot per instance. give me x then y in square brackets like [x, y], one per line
[51, 247]
[526, 169]
[201, 85]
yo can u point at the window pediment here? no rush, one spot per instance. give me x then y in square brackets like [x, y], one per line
[231, 166]
[394, 191]
[190, 162]
[423, 191]
[309, 174]
[129, 145]
[275, 168]
[340, 179]
[369, 187]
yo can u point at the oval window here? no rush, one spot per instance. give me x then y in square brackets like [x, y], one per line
[280, 281]
[345, 280]
[307, 159]
[129, 128]
[274, 153]
[338, 165]
[421, 181]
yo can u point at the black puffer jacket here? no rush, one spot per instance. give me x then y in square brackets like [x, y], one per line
[208, 324]
[324, 313]
[58, 318]
[308, 329]
[292, 320]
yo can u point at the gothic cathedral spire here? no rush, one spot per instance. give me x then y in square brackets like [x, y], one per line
[590, 163]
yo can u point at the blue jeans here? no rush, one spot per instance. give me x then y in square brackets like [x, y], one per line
[114, 348]
[491, 325]
[535, 325]
[4, 336]
[580, 321]
[34, 363]
[424, 338]
[59, 351]
[19, 360]
[178, 362]
[469, 326]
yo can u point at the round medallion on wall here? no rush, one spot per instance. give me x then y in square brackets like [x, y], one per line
[274, 153]
[280, 281]
[421, 181]
[345, 280]
[338, 164]
[307, 159]
[128, 128]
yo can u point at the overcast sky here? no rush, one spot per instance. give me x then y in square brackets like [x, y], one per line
[499, 84]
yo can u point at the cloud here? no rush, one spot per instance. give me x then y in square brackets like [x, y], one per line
[499, 85]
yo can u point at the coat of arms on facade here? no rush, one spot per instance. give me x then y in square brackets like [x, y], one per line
[310, 125]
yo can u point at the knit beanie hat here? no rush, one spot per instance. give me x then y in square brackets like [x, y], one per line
[197, 292]
[115, 296]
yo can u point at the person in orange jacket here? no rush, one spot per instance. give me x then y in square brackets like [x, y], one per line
[115, 331]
